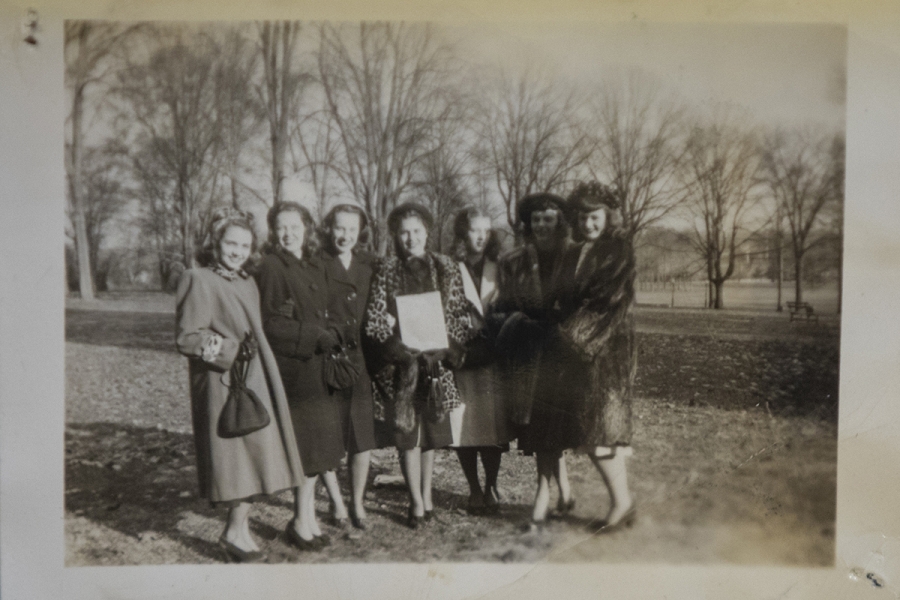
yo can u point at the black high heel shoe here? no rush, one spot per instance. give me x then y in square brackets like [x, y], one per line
[413, 521]
[298, 542]
[239, 555]
[564, 508]
[357, 522]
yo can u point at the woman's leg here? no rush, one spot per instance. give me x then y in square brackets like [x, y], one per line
[301, 522]
[561, 473]
[359, 475]
[615, 476]
[468, 460]
[490, 459]
[310, 506]
[411, 467]
[237, 529]
[427, 477]
[334, 492]
[546, 465]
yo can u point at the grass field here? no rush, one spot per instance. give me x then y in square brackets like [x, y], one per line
[735, 455]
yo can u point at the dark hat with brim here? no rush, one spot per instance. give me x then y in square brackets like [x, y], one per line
[541, 201]
[400, 211]
[591, 196]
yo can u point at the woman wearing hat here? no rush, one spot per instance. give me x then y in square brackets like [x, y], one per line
[348, 275]
[219, 328]
[597, 329]
[529, 279]
[417, 388]
[480, 425]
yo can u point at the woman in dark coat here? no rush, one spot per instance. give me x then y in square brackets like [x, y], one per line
[597, 328]
[417, 388]
[348, 277]
[217, 307]
[480, 425]
[294, 311]
[528, 308]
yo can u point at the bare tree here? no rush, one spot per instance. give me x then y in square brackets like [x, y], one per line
[88, 46]
[529, 139]
[802, 173]
[237, 109]
[383, 85]
[173, 103]
[721, 165]
[317, 138]
[281, 90]
[104, 197]
[638, 130]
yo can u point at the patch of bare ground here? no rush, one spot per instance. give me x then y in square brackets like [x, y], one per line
[735, 458]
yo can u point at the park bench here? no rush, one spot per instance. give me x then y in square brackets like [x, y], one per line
[802, 309]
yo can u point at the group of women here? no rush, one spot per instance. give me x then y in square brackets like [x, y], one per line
[540, 348]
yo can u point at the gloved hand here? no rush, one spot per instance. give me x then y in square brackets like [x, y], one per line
[328, 341]
[248, 348]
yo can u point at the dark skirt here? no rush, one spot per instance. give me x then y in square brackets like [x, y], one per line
[555, 423]
[357, 422]
[320, 439]
[427, 435]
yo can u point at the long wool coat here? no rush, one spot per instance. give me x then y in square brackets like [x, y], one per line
[523, 316]
[348, 295]
[399, 390]
[482, 418]
[295, 315]
[598, 326]
[261, 462]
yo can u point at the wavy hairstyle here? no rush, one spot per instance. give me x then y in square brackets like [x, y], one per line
[404, 211]
[221, 219]
[328, 222]
[311, 242]
[461, 224]
[593, 195]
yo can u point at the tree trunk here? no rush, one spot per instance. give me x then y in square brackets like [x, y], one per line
[234, 195]
[82, 245]
[798, 277]
[719, 300]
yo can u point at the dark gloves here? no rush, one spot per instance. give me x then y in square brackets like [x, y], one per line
[248, 348]
[452, 357]
[328, 340]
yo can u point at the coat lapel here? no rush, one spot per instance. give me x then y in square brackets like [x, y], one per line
[469, 288]
[488, 283]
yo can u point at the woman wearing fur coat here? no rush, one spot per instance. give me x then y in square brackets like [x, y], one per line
[596, 329]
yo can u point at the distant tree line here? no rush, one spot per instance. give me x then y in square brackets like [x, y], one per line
[168, 121]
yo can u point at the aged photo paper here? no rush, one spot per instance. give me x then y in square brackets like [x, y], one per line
[853, 551]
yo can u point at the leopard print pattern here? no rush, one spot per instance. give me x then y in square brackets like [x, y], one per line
[381, 321]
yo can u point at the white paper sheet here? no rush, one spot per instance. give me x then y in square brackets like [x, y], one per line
[421, 318]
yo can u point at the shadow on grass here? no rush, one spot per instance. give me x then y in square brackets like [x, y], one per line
[137, 480]
[138, 330]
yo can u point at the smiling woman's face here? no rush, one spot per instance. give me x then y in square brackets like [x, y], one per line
[592, 223]
[413, 236]
[290, 231]
[234, 247]
[345, 231]
[543, 226]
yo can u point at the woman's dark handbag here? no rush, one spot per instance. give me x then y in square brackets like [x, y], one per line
[243, 412]
[339, 371]
[434, 391]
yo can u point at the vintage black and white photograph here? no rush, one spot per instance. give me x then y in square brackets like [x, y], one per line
[401, 292]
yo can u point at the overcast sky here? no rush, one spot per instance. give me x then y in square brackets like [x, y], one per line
[783, 74]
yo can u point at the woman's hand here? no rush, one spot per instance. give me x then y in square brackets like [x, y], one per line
[211, 348]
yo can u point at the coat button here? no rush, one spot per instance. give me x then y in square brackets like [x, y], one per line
[351, 321]
[351, 296]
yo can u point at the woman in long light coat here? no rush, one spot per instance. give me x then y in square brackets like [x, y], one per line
[217, 306]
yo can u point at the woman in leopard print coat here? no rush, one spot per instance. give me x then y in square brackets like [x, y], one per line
[415, 389]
